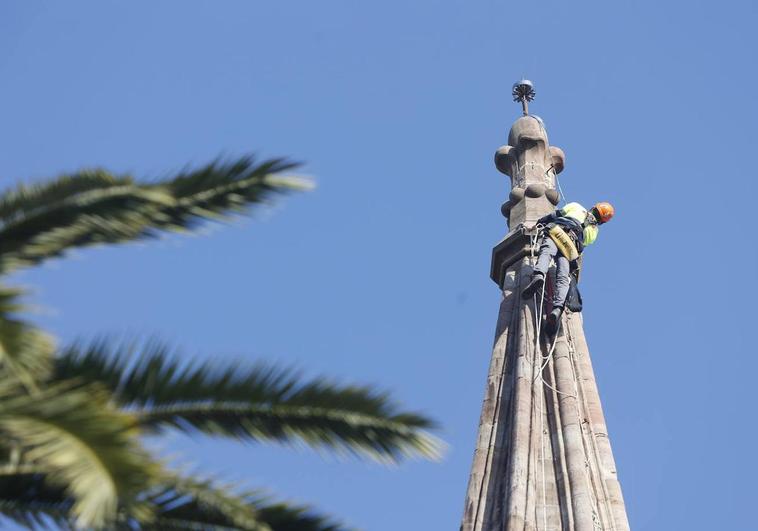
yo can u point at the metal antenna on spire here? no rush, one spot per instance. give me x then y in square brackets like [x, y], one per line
[523, 91]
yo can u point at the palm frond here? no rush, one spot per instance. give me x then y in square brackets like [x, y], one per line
[285, 517]
[25, 351]
[105, 209]
[180, 502]
[176, 502]
[202, 504]
[27, 199]
[82, 443]
[28, 500]
[257, 403]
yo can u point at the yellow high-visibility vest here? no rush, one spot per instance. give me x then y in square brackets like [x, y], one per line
[579, 213]
[590, 234]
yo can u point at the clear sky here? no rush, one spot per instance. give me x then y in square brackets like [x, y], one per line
[382, 273]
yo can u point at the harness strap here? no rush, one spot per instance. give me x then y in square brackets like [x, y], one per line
[564, 242]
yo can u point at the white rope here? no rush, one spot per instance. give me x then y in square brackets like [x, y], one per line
[591, 445]
[558, 182]
[597, 523]
[552, 166]
[542, 411]
[585, 445]
[538, 318]
[542, 457]
[542, 399]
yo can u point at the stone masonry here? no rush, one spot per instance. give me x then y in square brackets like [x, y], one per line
[543, 461]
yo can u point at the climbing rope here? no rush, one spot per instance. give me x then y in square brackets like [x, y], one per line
[586, 446]
[542, 457]
[591, 445]
[558, 182]
[533, 240]
[552, 166]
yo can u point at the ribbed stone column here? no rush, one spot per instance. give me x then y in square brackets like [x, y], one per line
[543, 461]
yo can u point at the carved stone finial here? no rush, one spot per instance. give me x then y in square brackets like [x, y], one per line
[532, 164]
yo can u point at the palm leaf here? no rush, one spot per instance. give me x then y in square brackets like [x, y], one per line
[188, 503]
[25, 351]
[83, 445]
[27, 199]
[107, 209]
[176, 503]
[257, 403]
[28, 500]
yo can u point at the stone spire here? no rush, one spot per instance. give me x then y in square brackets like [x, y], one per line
[543, 461]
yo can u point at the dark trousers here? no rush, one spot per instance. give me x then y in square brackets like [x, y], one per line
[549, 250]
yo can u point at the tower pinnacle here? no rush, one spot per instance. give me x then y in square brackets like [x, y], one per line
[542, 460]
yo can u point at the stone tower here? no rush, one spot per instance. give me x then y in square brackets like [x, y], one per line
[543, 461]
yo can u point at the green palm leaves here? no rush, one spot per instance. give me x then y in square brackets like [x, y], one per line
[78, 442]
[72, 423]
[25, 352]
[259, 403]
[95, 207]
[186, 503]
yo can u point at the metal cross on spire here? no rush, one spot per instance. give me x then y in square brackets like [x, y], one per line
[523, 91]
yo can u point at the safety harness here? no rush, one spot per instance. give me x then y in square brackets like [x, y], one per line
[569, 235]
[564, 242]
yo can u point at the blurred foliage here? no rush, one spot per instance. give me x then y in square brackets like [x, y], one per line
[73, 420]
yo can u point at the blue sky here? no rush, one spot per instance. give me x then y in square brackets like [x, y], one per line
[382, 273]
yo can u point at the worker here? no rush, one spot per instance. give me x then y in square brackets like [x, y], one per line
[565, 233]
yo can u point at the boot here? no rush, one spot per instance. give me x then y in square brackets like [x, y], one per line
[535, 285]
[553, 321]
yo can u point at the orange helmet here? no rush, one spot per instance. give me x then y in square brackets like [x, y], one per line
[604, 212]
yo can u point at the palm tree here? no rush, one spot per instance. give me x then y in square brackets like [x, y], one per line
[73, 420]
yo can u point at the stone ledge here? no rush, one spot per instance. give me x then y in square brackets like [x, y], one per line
[515, 246]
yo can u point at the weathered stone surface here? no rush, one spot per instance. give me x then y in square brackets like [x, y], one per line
[535, 190]
[510, 250]
[516, 195]
[502, 160]
[529, 210]
[553, 196]
[558, 158]
[532, 165]
[543, 461]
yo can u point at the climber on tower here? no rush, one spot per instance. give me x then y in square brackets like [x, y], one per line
[565, 234]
